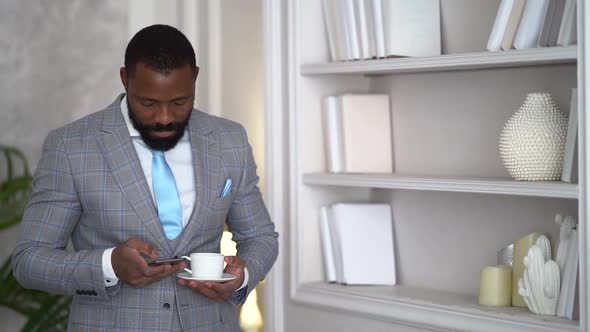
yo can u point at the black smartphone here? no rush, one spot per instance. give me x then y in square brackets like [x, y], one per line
[162, 261]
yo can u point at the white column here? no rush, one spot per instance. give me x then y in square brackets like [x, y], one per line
[275, 147]
[584, 162]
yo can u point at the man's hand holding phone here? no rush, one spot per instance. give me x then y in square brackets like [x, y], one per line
[131, 267]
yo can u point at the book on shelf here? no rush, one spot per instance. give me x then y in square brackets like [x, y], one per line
[333, 136]
[569, 171]
[558, 9]
[411, 28]
[327, 245]
[334, 31]
[357, 133]
[531, 24]
[364, 19]
[551, 23]
[567, 30]
[500, 24]
[512, 24]
[361, 239]
[377, 9]
[351, 28]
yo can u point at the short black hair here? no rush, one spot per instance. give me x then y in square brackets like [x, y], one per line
[160, 47]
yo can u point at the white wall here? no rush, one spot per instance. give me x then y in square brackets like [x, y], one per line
[59, 60]
[242, 90]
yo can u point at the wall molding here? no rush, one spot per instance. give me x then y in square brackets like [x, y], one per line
[275, 147]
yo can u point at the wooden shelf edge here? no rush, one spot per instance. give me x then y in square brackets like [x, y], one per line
[466, 185]
[449, 62]
[426, 316]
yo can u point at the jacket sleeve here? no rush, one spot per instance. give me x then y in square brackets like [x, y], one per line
[249, 222]
[40, 259]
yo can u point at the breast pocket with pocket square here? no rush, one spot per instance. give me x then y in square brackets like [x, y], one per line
[222, 197]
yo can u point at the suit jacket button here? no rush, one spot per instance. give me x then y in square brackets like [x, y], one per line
[166, 306]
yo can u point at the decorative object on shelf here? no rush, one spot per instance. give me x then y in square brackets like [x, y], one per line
[532, 141]
[495, 286]
[567, 260]
[540, 283]
[506, 255]
[521, 248]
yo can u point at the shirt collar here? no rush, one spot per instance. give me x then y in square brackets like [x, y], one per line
[132, 131]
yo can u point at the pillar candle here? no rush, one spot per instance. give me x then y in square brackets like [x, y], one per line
[521, 249]
[495, 286]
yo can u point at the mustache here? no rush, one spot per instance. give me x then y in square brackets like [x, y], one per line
[174, 126]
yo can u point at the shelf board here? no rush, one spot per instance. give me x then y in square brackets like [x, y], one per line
[449, 62]
[554, 189]
[425, 308]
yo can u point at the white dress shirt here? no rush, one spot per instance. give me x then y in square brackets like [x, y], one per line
[180, 160]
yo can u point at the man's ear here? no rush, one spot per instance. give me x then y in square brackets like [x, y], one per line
[124, 77]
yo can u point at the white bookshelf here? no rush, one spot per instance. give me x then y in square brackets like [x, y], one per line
[451, 311]
[449, 62]
[499, 186]
[447, 112]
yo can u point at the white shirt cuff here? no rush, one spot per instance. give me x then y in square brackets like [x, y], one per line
[245, 279]
[110, 279]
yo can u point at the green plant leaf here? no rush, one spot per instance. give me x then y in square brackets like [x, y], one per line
[45, 312]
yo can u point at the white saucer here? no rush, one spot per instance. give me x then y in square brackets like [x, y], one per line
[225, 277]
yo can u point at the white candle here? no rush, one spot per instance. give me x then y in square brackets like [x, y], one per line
[521, 249]
[495, 286]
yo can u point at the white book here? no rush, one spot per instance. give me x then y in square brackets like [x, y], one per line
[336, 245]
[361, 25]
[378, 27]
[365, 29]
[556, 22]
[567, 30]
[547, 22]
[365, 235]
[512, 25]
[333, 136]
[327, 245]
[334, 30]
[531, 23]
[366, 129]
[500, 24]
[567, 295]
[351, 29]
[411, 28]
[571, 139]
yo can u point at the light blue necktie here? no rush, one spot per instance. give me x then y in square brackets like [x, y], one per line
[166, 193]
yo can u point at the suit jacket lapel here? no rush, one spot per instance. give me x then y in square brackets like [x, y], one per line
[206, 163]
[124, 164]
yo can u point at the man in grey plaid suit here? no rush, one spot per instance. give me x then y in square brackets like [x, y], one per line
[97, 184]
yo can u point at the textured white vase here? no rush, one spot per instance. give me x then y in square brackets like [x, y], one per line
[533, 140]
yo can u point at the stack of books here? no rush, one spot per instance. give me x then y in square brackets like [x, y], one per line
[522, 24]
[357, 133]
[357, 244]
[367, 29]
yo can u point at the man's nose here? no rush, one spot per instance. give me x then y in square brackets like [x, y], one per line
[164, 115]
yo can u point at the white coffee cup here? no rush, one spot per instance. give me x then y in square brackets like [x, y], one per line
[205, 265]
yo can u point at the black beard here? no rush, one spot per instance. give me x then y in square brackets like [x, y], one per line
[159, 143]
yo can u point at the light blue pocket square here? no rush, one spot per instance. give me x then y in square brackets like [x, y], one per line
[226, 188]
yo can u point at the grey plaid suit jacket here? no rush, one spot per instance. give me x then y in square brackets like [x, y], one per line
[89, 186]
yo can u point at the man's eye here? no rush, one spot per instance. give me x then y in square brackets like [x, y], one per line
[179, 102]
[146, 103]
